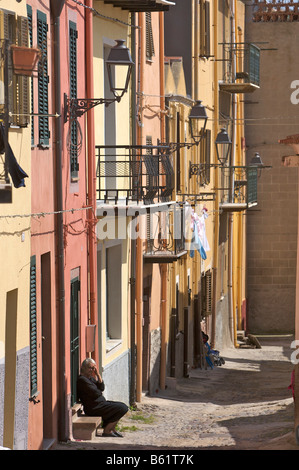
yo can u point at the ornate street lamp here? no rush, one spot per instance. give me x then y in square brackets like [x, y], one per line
[223, 146]
[119, 67]
[256, 161]
[198, 120]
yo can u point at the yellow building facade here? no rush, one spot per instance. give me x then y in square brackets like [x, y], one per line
[15, 225]
[207, 63]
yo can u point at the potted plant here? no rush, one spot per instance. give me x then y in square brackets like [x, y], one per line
[24, 59]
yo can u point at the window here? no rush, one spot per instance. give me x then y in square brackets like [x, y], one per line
[113, 293]
[15, 29]
[73, 35]
[150, 49]
[33, 328]
[43, 80]
[204, 28]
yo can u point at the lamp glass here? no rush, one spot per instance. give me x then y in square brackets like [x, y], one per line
[198, 120]
[223, 146]
[119, 67]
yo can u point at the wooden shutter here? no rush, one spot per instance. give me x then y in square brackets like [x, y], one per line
[29, 15]
[150, 48]
[23, 99]
[43, 80]
[15, 29]
[73, 35]
[33, 328]
[206, 294]
[205, 156]
[207, 30]
[204, 24]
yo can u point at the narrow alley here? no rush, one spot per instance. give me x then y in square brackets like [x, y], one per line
[244, 404]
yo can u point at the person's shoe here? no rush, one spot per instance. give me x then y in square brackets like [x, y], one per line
[111, 434]
[118, 434]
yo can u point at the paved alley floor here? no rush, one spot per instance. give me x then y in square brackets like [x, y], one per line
[243, 405]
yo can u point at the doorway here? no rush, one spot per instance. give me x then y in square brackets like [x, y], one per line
[75, 336]
[146, 337]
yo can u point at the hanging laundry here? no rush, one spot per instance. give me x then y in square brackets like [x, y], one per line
[196, 243]
[202, 229]
[14, 169]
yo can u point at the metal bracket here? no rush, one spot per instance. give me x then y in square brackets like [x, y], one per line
[76, 107]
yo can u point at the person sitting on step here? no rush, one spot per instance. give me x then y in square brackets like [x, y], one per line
[90, 387]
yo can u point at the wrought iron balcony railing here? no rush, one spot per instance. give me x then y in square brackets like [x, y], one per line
[136, 173]
[166, 236]
[244, 77]
[238, 189]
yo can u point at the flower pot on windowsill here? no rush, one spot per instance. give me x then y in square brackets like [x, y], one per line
[24, 59]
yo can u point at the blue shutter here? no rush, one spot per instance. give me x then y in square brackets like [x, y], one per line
[33, 328]
[73, 35]
[43, 79]
[254, 64]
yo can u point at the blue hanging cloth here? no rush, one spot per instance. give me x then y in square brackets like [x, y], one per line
[16, 172]
[196, 244]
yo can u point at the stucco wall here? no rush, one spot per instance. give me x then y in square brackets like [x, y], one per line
[272, 227]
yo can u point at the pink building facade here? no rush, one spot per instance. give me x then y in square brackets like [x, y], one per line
[59, 237]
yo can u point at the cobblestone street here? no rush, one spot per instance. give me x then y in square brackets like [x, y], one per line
[243, 405]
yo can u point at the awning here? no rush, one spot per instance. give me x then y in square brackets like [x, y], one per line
[141, 5]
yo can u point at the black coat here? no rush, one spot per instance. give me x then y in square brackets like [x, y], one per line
[90, 393]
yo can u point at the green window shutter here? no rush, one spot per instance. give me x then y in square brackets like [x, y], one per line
[29, 15]
[73, 36]
[150, 48]
[43, 79]
[33, 328]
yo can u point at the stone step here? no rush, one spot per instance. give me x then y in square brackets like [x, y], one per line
[77, 410]
[85, 427]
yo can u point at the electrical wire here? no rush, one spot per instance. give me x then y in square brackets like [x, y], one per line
[43, 214]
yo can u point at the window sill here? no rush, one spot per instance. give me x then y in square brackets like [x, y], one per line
[43, 147]
[112, 345]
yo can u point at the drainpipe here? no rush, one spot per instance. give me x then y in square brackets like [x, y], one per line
[231, 224]
[139, 241]
[240, 217]
[216, 223]
[56, 8]
[133, 242]
[91, 187]
[163, 266]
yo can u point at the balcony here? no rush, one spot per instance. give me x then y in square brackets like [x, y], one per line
[247, 58]
[141, 5]
[166, 236]
[134, 173]
[239, 188]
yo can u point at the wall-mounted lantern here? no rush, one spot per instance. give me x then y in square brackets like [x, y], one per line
[198, 120]
[256, 161]
[223, 146]
[119, 67]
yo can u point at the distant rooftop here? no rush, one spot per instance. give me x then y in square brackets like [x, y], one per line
[275, 11]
